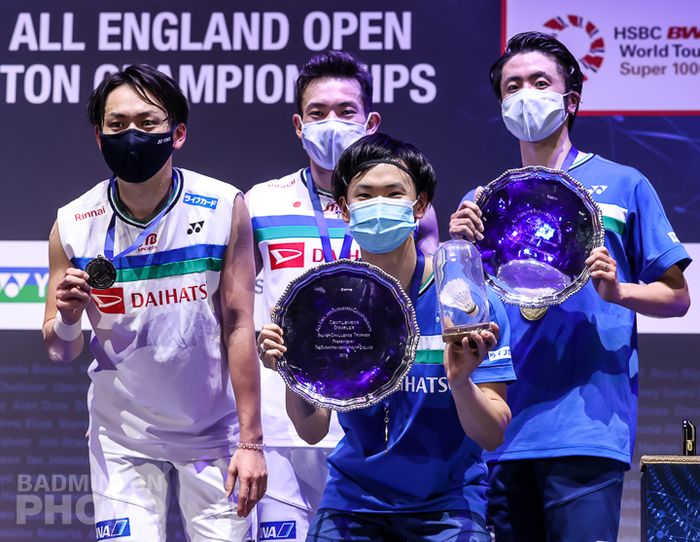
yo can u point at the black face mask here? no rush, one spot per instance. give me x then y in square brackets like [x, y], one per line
[135, 156]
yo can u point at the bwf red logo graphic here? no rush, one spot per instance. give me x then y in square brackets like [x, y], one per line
[587, 41]
[286, 255]
[109, 300]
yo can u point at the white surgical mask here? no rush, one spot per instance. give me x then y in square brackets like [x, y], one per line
[533, 115]
[325, 140]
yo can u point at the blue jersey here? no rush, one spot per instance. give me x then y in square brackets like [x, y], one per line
[576, 392]
[430, 465]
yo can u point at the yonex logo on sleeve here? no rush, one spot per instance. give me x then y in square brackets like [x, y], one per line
[112, 528]
[278, 530]
[673, 236]
[501, 353]
[200, 201]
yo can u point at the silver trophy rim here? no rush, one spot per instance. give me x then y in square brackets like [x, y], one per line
[277, 316]
[598, 236]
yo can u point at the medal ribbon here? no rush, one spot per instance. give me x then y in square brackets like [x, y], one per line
[569, 160]
[152, 225]
[322, 225]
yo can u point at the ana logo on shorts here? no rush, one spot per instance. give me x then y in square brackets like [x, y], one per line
[112, 528]
[278, 530]
[286, 255]
[109, 300]
[581, 37]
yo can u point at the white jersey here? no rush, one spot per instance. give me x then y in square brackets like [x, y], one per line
[160, 380]
[288, 239]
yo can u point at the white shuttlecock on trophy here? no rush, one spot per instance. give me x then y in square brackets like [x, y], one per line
[462, 297]
[455, 293]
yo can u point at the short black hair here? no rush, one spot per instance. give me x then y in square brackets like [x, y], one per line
[383, 148]
[335, 64]
[147, 82]
[547, 44]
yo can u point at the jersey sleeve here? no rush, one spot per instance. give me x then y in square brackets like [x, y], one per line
[498, 365]
[652, 244]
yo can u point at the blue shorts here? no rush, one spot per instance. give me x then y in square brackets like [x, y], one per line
[452, 526]
[559, 499]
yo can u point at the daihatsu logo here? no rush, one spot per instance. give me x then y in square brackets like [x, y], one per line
[286, 255]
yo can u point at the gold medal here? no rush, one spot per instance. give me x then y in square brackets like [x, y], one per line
[533, 314]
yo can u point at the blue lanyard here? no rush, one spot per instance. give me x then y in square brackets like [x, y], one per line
[569, 160]
[322, 225]
[152, 225]
[417, 278]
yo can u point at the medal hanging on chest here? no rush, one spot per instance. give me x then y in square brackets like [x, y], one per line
[101, 271]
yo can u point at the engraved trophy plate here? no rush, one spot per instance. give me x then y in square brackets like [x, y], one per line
[540, 225]
[351, 335]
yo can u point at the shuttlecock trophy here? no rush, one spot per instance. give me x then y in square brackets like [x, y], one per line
[462, 297]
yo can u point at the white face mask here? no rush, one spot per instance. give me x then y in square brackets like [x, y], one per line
[533, 115]
[325, 140]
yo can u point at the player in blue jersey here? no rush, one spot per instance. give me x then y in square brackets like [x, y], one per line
[411, 468]
[297, 225]
[174, 400]
[559, 474]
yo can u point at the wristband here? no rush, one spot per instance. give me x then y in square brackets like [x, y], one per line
[258, 447]
[66, 332]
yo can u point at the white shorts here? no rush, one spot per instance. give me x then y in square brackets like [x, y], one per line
[296, 480]
[131, 499]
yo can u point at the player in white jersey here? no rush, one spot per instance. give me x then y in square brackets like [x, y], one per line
[297, 225]
[161, 260]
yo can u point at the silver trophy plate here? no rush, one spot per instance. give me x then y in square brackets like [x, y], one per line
[540, 226]
[351, 335]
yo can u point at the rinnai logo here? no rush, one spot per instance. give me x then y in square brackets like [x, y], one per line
[109, 300]
[278, 530]
[280, 184]
[590, 45]
[89, 214]
[286, 255]
[113, 528]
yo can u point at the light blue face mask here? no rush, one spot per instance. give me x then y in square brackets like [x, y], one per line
[380, 225]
